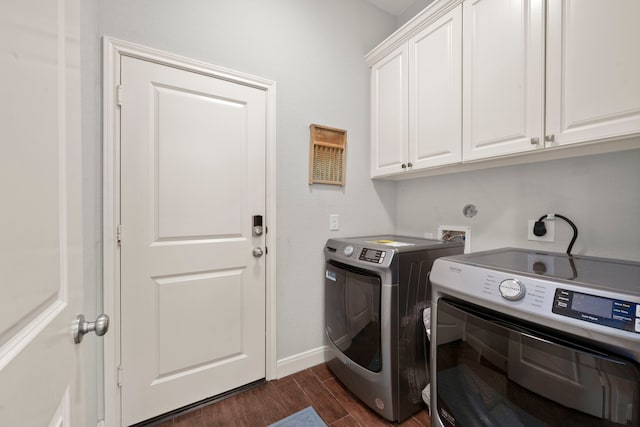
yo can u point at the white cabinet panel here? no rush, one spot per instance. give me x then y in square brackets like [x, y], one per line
[389, 113]
[435, 99]
[502, 77]
[593, 70]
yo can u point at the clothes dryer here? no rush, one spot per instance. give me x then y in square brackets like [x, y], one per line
[376, 289]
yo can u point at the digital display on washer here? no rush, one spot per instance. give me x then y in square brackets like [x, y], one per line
[609, 312]
[372, 255]
[589, 304]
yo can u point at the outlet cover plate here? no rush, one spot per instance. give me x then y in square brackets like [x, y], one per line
[548, 238]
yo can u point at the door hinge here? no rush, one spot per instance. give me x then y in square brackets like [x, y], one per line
[119, 234]
[119, 95]
[119, 379]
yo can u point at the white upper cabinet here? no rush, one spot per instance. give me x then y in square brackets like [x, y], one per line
[503, 77]
[473, 83]
[416, 96]
[589, 68]
[389, 113]
[593, 70]
[435, 100]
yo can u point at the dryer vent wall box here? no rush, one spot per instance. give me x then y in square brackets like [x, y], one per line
[456, 233]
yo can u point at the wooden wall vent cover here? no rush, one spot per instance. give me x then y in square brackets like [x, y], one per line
[327, 162]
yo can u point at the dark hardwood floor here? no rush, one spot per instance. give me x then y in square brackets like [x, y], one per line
[274, 400]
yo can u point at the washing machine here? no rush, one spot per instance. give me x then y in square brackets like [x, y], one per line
[531, 338]
[376, 289]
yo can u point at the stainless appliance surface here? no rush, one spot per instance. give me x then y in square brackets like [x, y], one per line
[530, 338]
[376, 288]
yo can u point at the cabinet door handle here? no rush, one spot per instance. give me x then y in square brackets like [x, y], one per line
[549, 138]
[404, 166]
[535, 141]
[409, 165]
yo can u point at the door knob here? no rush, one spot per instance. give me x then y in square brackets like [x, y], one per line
[257, 252]
[80, 327]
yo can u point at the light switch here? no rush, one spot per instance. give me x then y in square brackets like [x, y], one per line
[334, 222]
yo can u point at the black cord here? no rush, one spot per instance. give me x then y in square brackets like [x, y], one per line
[573, 226]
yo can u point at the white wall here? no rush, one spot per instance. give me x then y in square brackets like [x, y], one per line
[314, 50]
[600, 194]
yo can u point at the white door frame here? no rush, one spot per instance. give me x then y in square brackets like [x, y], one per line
[113, 50]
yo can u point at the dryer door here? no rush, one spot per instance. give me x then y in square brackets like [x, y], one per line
[352, 313]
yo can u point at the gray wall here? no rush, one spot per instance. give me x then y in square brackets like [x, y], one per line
[600, 194]
[314, 51]
[412, 11]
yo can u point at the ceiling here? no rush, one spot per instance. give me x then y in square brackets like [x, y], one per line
[394, 7]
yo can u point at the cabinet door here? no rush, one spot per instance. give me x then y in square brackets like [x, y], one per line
[389, 113]
[503, 87]
[435, 98]
[593, 70]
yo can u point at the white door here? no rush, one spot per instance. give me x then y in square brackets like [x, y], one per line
[390, 113]
[435, 98]
[41, 246]
[503, 77]
[593, 70]
[192, 290]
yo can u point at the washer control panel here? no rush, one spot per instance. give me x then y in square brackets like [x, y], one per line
[610, 312]
[372, 255]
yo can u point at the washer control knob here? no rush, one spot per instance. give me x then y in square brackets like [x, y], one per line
[348, 250]
[512, 290]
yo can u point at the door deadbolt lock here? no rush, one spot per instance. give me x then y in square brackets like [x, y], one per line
[80, 327]
[257, 225]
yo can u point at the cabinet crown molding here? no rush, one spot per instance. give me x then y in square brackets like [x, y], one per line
[416, 24]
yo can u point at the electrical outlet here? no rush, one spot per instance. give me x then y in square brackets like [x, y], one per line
[549, 237]
[456, 233]
[334, 222]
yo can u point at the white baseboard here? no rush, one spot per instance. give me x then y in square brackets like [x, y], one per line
[300, 362]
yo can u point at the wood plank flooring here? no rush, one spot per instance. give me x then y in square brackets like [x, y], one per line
[274, 400]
